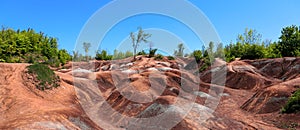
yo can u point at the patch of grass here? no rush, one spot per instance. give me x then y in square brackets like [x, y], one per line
[45, 75]
[293, 104]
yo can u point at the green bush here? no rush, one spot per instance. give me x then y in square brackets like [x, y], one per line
[171, 58]
[103, 55]
[142, 53]
[293, 104]
[46, 76]
[152, 53]
[198, 55]
[253, 51]
[289, 44]
[206, 63]
[158, 57]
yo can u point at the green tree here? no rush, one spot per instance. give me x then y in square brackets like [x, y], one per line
[272, 50]
[137, 39]
[289, 44]
[29, 46]
[198, 55]
[103, 55]
[250, 36]
[64, 56]
[253, 51]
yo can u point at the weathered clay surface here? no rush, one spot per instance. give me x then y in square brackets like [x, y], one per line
[126, 95]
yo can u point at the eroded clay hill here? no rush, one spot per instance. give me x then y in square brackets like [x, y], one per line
[151, 94]
[22, 106]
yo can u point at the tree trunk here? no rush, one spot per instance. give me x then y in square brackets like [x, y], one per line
[134, 54]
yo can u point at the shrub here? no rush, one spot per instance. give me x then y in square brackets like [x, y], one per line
[158, 57]
[253, 51]
[289, 44]
[142, 53]
[152, 53]
[46, 76]
[205, 65]
[198, 55]
[171, 58]
[293, 104]
[103, 55]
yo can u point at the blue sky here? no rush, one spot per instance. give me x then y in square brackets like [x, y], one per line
[64, 19]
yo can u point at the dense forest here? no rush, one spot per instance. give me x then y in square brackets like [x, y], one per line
[28, 46]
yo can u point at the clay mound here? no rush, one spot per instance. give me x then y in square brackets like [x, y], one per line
[122, 94]
[239, 75]
[147, 88]
[22, 106]
[281, 68]
[271, 99]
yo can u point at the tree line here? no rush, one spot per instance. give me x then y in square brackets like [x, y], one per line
[28, 46]
[31, 47]
[250, 46]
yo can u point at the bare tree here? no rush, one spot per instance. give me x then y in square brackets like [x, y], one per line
[136, 39]
[179, 52]
[86, 47]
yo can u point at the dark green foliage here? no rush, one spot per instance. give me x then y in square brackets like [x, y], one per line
[198, 55]
[253, 51]
[245, 51]
[45, 75]
[158, 57]
[293, 104]
[206, 63]
[142, 53]
[272, 51]
[29, 46]
[171, 58]
[289, 44]
[249, 45]
[152, 53]
[103, 55]
[63, 56]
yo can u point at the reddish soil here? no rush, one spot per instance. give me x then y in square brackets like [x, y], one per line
[123, 94]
